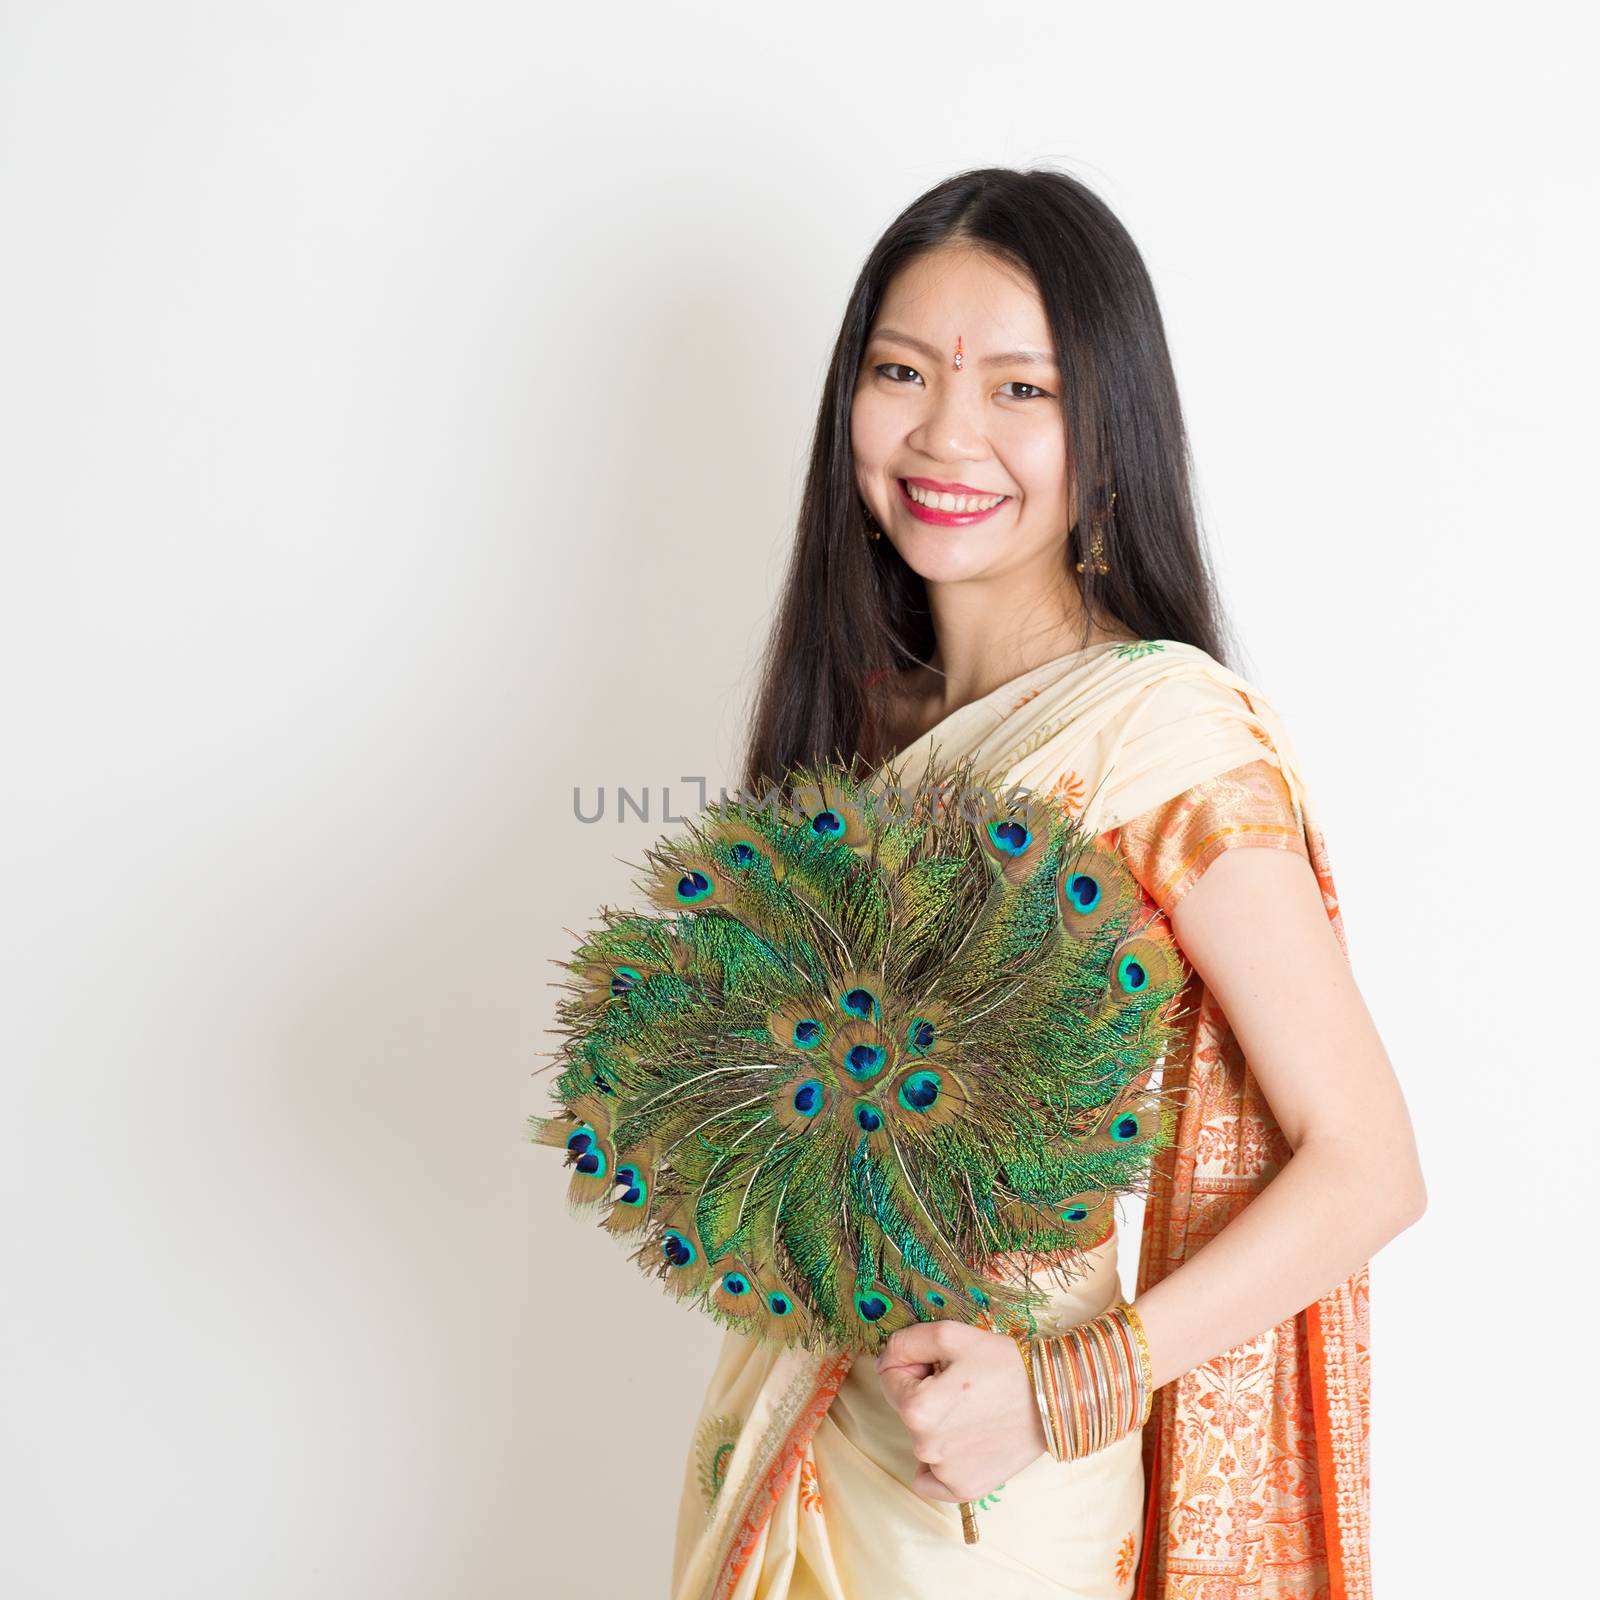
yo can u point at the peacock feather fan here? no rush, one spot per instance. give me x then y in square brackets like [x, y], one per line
[869, 1039]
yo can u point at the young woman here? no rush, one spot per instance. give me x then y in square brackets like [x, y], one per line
[998, 555]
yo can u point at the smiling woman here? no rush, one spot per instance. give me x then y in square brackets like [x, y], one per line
[998, 558]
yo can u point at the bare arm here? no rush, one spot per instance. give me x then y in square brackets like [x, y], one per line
[1255, 929]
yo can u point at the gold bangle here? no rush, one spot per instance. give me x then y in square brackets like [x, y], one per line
[1101, 1369]
[1025, 1350]
[1136, 1323]
[1026, 1354]
[1047, 1377]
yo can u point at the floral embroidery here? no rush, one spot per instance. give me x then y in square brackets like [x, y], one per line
[1125, 1559]
[1233, 1389]
[1069, 789]
[1031, 694]
[990, 1499]
[810, 1493]
[1139, 647]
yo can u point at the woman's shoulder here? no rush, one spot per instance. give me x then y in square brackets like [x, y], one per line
[1180, 680]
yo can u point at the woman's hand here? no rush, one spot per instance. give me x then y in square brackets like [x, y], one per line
[966, 1401]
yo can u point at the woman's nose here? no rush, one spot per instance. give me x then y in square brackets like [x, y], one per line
[951, 428]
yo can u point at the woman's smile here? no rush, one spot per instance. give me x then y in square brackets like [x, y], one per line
[955, 505]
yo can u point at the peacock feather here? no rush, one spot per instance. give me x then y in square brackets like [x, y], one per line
[868, 1038]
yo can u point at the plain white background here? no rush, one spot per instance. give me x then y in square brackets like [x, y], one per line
[403, 410]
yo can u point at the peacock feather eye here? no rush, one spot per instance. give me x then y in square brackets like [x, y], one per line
[694, 887]
[828, 825]
[779, 1304]
[941, 1096]
[800, 1106]
[1083, 891]
[1019, 839]
[861, 1003]
[1125, 1127]
[799, 1024]
[744, 846]
[919, 1091]
[859, 1051]
[602, 1083]
[677, 1250]
[1088, 1205]
[634, 1184]
[871, 1306]
[937, 1299]
[868, 1118]
[1010, 836]
[865, 1060]
[920, 1036]
[1131, 1118]
[591, 1153]
[874, 1304]
[1093, 888]
[826, 813]
[1142, 965]
[625, 978]
[736, 1293]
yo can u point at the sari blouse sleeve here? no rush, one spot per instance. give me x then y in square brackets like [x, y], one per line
[1170, 846]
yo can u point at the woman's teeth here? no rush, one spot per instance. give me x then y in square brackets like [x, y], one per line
[952, 502]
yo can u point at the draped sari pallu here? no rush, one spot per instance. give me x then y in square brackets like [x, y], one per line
[1251, 1478]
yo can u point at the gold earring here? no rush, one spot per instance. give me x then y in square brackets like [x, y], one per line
[874, 531]
[1097, 549]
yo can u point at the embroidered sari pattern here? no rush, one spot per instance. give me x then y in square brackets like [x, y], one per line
[1256, 1462]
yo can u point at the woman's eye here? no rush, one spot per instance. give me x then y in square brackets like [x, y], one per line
[890, 368]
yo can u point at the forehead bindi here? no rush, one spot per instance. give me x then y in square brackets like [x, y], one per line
[960, 357]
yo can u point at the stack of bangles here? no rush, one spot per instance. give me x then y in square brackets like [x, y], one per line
[1093, 1382]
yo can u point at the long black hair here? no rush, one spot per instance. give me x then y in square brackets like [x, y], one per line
[851, 606]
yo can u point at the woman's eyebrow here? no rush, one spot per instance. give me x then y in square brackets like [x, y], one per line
[1005, 358]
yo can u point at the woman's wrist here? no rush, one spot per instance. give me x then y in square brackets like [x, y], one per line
[1039, 1421]
[1092, 1383]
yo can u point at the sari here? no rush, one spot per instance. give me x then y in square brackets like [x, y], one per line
[1251, 1476]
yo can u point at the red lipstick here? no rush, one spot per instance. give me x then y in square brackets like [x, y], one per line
[946, 519]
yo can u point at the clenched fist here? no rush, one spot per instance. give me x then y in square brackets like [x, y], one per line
[965, 1399]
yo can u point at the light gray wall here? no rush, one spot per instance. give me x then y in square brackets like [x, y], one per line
[402, 411]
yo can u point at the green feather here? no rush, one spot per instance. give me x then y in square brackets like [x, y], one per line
[814, 1165]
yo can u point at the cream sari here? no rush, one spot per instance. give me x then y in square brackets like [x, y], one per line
[797, 1482]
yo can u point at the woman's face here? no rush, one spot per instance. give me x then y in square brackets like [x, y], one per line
[993, 425]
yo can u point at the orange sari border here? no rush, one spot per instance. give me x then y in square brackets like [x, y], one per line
[758, 1510]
